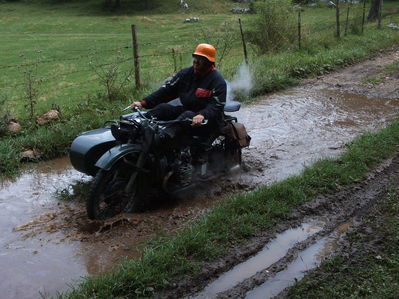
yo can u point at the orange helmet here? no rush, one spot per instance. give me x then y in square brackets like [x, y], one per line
[207, 51]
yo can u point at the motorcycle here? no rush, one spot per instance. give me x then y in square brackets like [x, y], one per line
[131, 163]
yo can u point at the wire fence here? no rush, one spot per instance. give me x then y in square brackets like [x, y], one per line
[68, 68]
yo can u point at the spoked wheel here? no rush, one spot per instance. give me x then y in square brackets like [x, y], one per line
[108, 195]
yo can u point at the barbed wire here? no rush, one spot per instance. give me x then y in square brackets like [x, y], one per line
[309, 30]
[11, 86]
[57, 60]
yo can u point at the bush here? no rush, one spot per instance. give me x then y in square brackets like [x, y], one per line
[274, 28]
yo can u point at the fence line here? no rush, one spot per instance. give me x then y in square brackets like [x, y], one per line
[307, 30]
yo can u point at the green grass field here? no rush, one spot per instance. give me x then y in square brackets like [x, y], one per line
[64, 45]
[67, 45]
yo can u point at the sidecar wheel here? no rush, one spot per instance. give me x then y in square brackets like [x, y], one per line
[107, 197]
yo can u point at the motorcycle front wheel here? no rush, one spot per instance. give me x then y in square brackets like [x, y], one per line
[107, 195]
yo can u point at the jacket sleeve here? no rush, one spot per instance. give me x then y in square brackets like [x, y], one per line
[168, 91]
[217, 101]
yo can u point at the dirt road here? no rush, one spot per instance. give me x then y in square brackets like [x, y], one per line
[289, 130]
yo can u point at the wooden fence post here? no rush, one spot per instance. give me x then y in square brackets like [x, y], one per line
[299, 28]
[136, 57]
[347, 19]
[380, 15]
[243, 43]
[174, 59]
[338, 33]
[364, 14]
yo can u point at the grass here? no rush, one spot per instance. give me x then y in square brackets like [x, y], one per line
[371, 270]
[372, 80]
[392, 69]
[167, 259]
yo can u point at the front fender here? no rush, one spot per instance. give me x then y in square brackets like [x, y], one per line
[110, 157]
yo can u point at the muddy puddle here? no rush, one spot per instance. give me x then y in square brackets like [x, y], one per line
[308, 259]
[270, 254]
[47, 244]
[282, 246]
[293, 129]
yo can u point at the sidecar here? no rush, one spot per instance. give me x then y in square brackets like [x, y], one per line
[88, 147]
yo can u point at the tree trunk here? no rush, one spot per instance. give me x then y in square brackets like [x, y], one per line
[374, 10]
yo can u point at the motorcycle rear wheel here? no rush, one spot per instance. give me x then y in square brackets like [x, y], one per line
[233, 154]
[107, 196]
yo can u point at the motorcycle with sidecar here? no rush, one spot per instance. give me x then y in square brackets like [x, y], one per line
[130, 163]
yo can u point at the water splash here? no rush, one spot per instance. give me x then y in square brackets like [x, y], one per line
[242, 82]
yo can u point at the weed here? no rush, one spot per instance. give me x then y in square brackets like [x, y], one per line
[112, 76]
[372, 80]
[76, 191]
[31, 85]
[392, 69]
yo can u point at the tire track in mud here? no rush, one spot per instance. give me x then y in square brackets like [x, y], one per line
[339, 211]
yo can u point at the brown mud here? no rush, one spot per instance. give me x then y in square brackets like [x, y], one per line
[47, 244]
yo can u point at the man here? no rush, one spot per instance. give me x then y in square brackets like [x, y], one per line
[201, 89]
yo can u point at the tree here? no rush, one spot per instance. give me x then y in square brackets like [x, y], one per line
[374, 11]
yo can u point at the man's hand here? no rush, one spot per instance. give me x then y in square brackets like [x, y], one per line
[136, 104]
[197, 120]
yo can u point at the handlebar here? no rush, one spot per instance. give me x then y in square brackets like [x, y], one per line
[127, 108]
[166, 122]
[180, 121]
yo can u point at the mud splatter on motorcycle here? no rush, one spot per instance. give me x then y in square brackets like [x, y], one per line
[131, 162]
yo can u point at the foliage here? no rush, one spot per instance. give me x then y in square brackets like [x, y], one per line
[274, 27]
[112, 75]
[372, 80]
[31, 85]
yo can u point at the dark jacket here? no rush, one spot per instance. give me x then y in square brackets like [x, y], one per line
[204, 95]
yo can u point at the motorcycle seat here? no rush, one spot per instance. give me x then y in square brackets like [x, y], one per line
[232, 106]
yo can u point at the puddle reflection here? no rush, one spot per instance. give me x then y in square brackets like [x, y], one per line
[271, 253]
[308, 259]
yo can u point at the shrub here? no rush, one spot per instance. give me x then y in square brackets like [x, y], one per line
[274, 27]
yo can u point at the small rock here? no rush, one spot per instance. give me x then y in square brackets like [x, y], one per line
[14, 126]
[30, 155]
[52, 115]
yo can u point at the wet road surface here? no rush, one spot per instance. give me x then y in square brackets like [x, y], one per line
[47, 244]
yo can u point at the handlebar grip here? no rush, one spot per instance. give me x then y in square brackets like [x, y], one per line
[127, 108]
